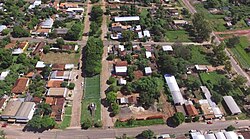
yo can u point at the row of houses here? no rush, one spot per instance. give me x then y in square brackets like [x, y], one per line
[216, 135]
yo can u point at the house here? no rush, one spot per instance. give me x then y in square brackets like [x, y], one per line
[40, 65]
[116, 36]
[132, 99]
[126, 18]
[148, 54]
[173, 11]
[54, 83]
[137, 28]
[23, 45]
[201, 68]
[231, 105]
[3, 102]
[229, 24]
[17, 51]
[58, 67]
[75, 10]
[57, 92]
[148, 70]
[2, 27]
[58, 109]
[38, 48]
[36, 3]
[69, 47]
[60, 75]
[140, 35]
[65, 5]
[25, 112]
[47, 24]
[220, 135]
[231, 135]
[174, 89]
[122, 81]
[69, 66]
[190, 109]
[50, 100]
[146, 33]
[180, 22]
[121, 68]
[4, 74]
[41, 32]
[60, 32]
[36, 100]
[208, 113]
[20, 85]
[167, 48]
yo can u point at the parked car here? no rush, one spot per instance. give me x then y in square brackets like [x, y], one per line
[209, 122]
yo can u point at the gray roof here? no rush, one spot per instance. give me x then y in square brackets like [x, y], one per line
[231, 104]
[127, 18]
[11, 108]
[48, 22]
[61, 31]
[25, 109]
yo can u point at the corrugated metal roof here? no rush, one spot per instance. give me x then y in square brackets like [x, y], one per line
[220, 135]
[25, 109]
[127, 18]
[233, 107]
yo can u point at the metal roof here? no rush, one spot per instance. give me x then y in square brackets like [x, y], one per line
[233, 107]
[210, 136]
[11, 108]
[220, 135]
[26, 110]
[127, 18]
[174, 89]
[231, 135]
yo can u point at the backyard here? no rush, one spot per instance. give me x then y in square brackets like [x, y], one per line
[198, 55]
[177, 35]
[240, 54]
[66, 118]
[91, 95]
[61, 58]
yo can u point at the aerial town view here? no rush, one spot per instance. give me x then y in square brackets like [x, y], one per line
[124, 69]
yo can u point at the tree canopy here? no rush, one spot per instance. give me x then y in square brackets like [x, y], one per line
[19, 32]
[178, 118]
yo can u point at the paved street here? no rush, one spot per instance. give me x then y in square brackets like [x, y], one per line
[13, 133]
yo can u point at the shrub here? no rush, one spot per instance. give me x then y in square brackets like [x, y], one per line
[111, 80]
[64, 84]
[86, 124]
[71, 86]
[98, 124]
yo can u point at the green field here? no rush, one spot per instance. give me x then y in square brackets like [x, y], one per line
[137, 123]
[198, 55]
[177, 35]
[66, 118]
[240, 54]
[91, 95]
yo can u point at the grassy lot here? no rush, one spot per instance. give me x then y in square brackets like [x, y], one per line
[198, 55]
[66, 118]
[144, 12]
[211, 78]
[240, 54]
[91, 95]
[69, 24]
[62, 58]
[137, 123]
[177, 35]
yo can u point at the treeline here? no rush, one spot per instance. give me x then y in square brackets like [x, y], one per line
[96, 21]
[75, 32]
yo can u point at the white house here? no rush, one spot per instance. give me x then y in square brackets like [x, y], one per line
[36, 3]
[47, 24]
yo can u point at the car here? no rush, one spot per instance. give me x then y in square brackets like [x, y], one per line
[209, 122]
[4, 125]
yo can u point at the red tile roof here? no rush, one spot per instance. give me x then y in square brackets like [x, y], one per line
[122, 63]
[54, 83]
[58, 66]
[191, 110]
[20, 85]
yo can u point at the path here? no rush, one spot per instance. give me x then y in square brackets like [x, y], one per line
[13, 133]
[78, 90]
[105, 74]
[244, 31]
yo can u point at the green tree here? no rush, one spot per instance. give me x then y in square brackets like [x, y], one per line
[19, 32]
[213, 3]
[46, 49]
[225, 86]
[111, 97]
[183, 52]
[75, 32]
[71, 86]
[43, 109]
[41, 123]
[98, 124]
[239, 81]
[86, 124]
[228, 66]
[178, 118]
[5, 32]
[147, 134]
[201, 26]
[115, 108]
[232, 42]
[111, 80]
[46, 71]
[196, 118]
[96, 15]
[2, 135]
[127, 35]
[59, 42]
[230, 128]
[64, 84]
[217, 98]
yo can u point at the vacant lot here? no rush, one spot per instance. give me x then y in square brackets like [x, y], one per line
[61, 58]
[177, 35]
[91, 95]
[242, 56]
[199, 55]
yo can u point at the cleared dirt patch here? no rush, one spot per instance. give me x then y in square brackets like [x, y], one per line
[61, 58]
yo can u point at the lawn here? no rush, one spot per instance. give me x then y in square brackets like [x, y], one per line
[240, 54]
[177, 35]
[91, 95]
[198, 55]
[144, 13]
[66, 118]
[211, 78]
[137, 123]
[61, 58]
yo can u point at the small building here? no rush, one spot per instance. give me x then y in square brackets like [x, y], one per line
[210, 136]
[20, 85]
[229, 24]
[75, 10]
[148, 70]
[61, 31]
[180, 22]
[3, 103]
[17, 51]
[190, 109]
[146, 33]
[231, 105]
[54, 83]
[69, 66]
[121, 68]
[65, 5]
[116, 36]
[25, 112]
[174, 89]
[60, 75]
[47, 24]
[2, 27]
[220, 135]
[208, 113]
[57, 92]
[23, 45]
[140, 35]
[127, 18]
[122, 81]
[36, 100]
[36, 3]
[4, 74]
[231, 135]
[148, 54]
[167, 48]
[40, 65]
[58, 109]
[201, 68]
[39, 48]
[59, 67]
